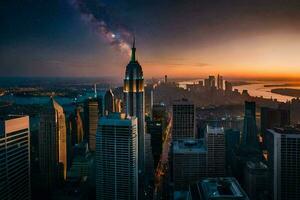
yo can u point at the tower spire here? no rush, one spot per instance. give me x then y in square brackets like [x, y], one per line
[133, 50]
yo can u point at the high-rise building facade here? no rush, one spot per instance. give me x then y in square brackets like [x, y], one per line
[117, 158]
[232, 141]
[14, 158]
[134, 105]
[283, 146]
[155, 130]
[109, 102]
[76, 127]
[215, 142]
[273, 118]
[249, 136]
[52, 145]
[91, 112]
[183, 120]
[189, 162]
[256, 179]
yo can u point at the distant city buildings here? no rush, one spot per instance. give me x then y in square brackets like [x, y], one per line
[15, 179]
[148, 99]
[52, 145]
[220, 82]
[228, 87]
[210, 82]
[183, 119]
[117, 158]
[283, 146]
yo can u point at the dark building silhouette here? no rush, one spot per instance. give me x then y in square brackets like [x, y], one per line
[91, 115]
[273, 118]
[249, 136]
[228, 87]
[76, 127]
[249, 149]
[155, 129]
[256, 179]
[232, 141]
[183, 119]
[109, 102]
[52, 146]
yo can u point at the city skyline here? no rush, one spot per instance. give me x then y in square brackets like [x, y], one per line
[149, 100]
[257, 40]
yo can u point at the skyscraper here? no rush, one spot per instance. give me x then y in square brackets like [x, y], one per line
[256, 179]
[134, 105]
[155, 129]
[109, 102]
[76, 127]
[189, 162]
[183, 120]
[273, 118]
[220, 82]
[215, 142]
[52, 145]
[232, 141]
[283, 146]
[228, 87]
[14, 158]
[212, 81]
[91, 112]
[117, 158]
[249, 136]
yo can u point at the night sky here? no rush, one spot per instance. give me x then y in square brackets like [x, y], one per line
[181, 38]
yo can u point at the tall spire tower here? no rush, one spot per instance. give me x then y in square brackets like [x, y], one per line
[134, 105]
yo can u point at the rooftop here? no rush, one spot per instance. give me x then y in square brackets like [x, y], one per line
[218, 188]
[256, 165]
[215, 130]
[9, 117]
[117, 119]
[182, 101]
[295, 131]
[189, 146]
